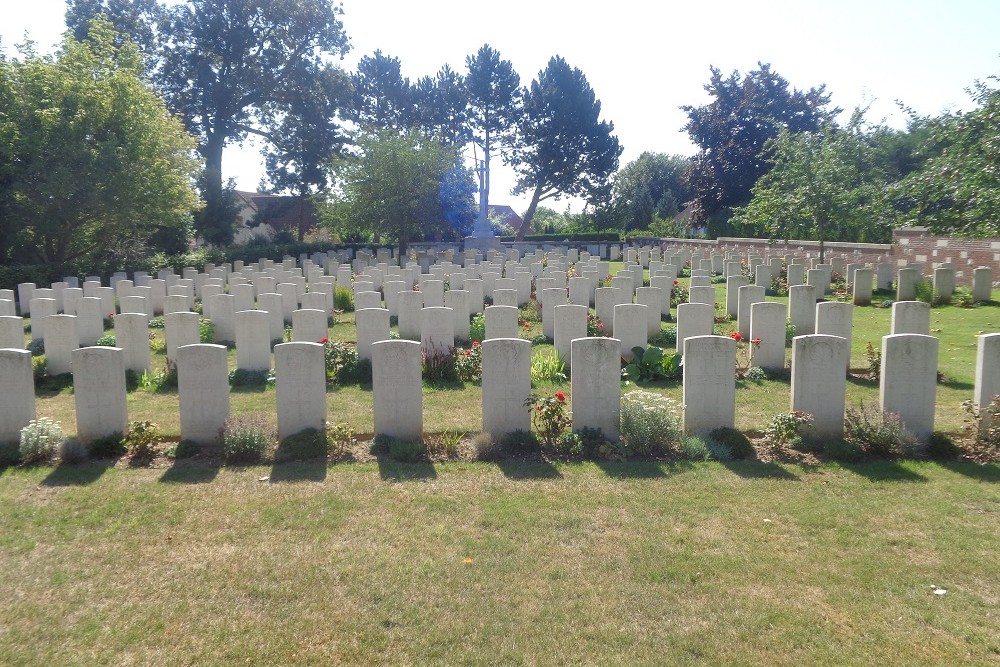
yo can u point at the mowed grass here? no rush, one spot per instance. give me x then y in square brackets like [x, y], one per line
[517, 564]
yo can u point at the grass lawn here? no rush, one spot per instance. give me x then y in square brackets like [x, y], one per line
[516, 564]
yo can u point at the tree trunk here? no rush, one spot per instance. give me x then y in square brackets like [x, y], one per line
[529, 214]
[211, 225]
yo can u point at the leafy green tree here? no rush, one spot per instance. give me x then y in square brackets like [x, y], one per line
[957, 191]
[384, 98]
[442, 106]
[402, 188]
[92, 163]
[733, 129]
[564, 148]
[494, 90]
[232, 67]
[650, 187]
[824, 185]
[134, 20]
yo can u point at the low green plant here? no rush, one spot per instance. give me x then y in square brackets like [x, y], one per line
[694, 449]
[340, 439]
[652, 364]
[469, 364]
[520, 442]
[159, 381]
[650, 424]
[306, 444]
[107, 340]
[595, 327]
[789, 332]
[157, 323]
[71, 451]
[924, 291]
[735, 442]
[141, 439]
[839, 449]
[108, 446]
[873, 356]
[184, 449]
[343, 299]
[40, 440]
[547, 367]
[36, 347]
[445, 444]
[963, 297]
[787, 429]
[982, 423]
[878, 434]
[246, 438]
[39, 367]
[405, 451]
[477, 328]
[679, 294]
[206, 330]
[242, 377]
[550, 416]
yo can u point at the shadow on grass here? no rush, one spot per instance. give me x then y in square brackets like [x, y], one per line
[632, 469]
[984, 473]
[394, 471]
[884, 471]
[298, 471]
[51, 385]
[80, 474]
[528, 470]
[185, 472]
[759, 470]
[957, 384]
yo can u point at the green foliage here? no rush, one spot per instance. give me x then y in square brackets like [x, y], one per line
[679, 294]
[788, 429]
[206, 330]
[36, 347]
[107, 340]
[141, 439]
[159, 381]
[437, 365]
[107, 447]
[71, 451]
[650, 424]
[873, 356]
[477, 328]
[93, 164]
[39, 440]
[732, 132]
[246, 438]
[184, 449]
[823, 185]
[732, 441]
[241, 377]
[982, 424]
[694, 449]
[307, 444]
[878, 434]
[550, 416]
[445, 444]
[957, 191]
[647, 193]
[595, 327]
[563, 147]
[963, 298]
[789, 332]
[652, 364]
[547, 367]
[343, 299]
[39, 367]
[405, 451]
[469, 364]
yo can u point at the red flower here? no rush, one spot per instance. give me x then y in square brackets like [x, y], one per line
[111, 316]
[756, 341]
[324, 340]
[560, 396]
[539, 408]
[737, 336]
[600, 325]
[468, 353]
[475, 343]
[676, 282]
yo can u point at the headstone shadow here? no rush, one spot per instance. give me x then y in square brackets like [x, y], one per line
[298, 471]
[77, 474]
[191, 472]
[632, 469]
[884, 471]
[760, 470]
[984, 473]
[394, 471]
[528, 470]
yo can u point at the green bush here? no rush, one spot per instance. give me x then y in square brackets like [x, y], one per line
[241, 377]
[39, 367]
[246, 439]
[206, 330]
[36, 347]
[733, 441]
[841, 450]
[184, 449]
[521, 442]
[141, 439]
[107, 340]
[788, 429]
[405, 451]
[694, 449]
[878, 434]
[650, 424]
[39, 440]
[307, 444]
[108, 447]
[10, 454]
[477, 328]
[343, 299]
[547, 367]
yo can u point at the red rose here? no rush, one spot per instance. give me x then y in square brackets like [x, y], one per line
[324, 340]
[560, 396]
[737, 336]
[475, 343]
[675, 281]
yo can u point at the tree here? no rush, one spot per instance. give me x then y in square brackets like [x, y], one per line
[494, 108]
[442, 104]
[134, 20]
[649, 188]
[383, 96]
[230, 68]
[957, 191]
[92, 163]
[563, 148]
[733, 129]
[823, 185]
[402, 187]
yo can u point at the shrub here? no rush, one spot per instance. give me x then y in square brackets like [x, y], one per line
[241, 377]
[307, 444]
[107, 447]
[878, 434]
[141, 439]
[983, 424]
[39, 367]
[549, 416]
[595, 327]
[789, 332]
[161, 380]
[157, 323]
[469, 364]
[547, 367]
[246, 438]
[39, 440]
[733, 441]
[206, 330]
[963, 297]
[694, 449]
[787, 429]
[184, 449]
[477, 328]
[405, 451]
[652, 364]
[874, 358]
[924, 291]
[650, 425]
[36, 347]
[842, 450]
[445, 444]
[438, 365]
[678, 295]
[107, 340]
[72, 451]
[343, 299]
[487, 447]
[520, 442]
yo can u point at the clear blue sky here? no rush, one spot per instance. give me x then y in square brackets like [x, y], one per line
[645, 58]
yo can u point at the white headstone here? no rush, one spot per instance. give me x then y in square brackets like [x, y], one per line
[203, 388]
[61, 338]
[767, 325]
[987, 369]
[17, 400]
[570, 324]
[253, 340]
[300, 387]
[909, 381]
[397, 398]
[99, 392]
[132, 337]
[910, 317]
[709, 383]
[373, 326]
[596, 385]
